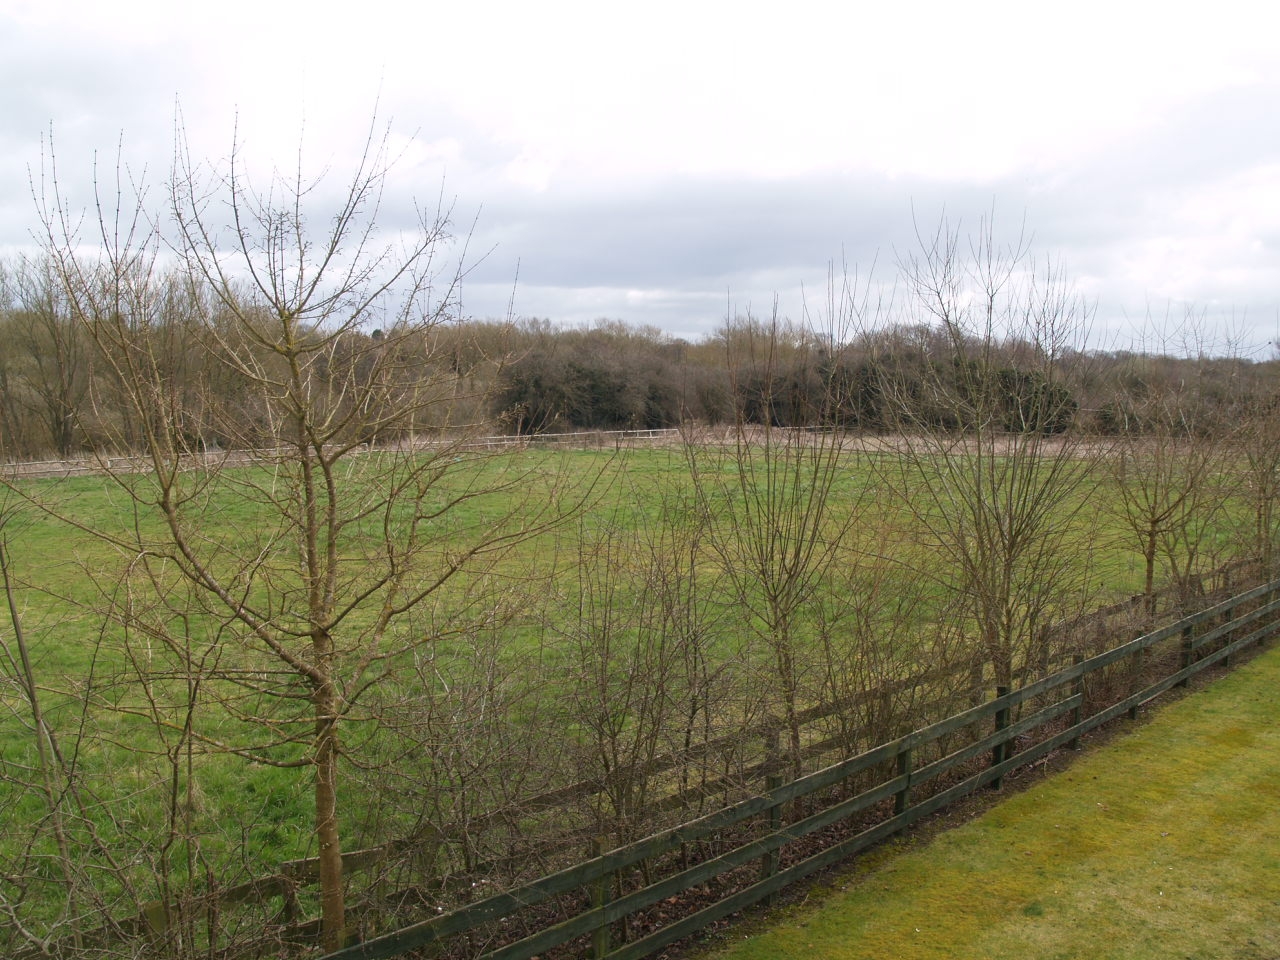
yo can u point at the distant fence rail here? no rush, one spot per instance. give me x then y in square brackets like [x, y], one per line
[130, 463]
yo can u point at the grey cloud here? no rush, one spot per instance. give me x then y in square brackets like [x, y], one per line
[680, 255]
[677, 252]
[695, 233]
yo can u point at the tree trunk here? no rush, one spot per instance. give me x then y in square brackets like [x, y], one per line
[1149, 588]
[332, 895]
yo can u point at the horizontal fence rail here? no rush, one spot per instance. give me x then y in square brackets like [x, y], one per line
[219, 458]
[825, 798]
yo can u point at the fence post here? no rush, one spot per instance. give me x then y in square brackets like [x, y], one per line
[1227, 617]
[902, 799]
[289, 909]
[1139, 662]
[1077, 713]
[1267, 598]
[1000, 750]
[772, 780]
[1188, 637]
[601, 894]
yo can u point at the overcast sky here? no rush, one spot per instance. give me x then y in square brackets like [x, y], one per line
[666, 162]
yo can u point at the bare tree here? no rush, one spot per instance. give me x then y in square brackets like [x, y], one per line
[884, 655]
[1259, 442]
[340, 555]
[1169, 500]
[1172, 446]
[48, 366]
[988, 464]
[641, 678]
[49, 783]
[623, 677]
[778, 498]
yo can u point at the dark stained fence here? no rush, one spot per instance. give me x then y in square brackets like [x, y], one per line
[764, 840]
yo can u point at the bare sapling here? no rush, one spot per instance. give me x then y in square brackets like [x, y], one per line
[272, 347]
[988, 462]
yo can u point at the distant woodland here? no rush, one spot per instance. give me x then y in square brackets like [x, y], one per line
[62, 396]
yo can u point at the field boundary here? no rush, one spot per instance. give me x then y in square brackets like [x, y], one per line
[1052, 714]
[214, 458]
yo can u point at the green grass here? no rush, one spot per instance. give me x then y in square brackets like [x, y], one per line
[1163, 843]
[633, 489]
[247, 817]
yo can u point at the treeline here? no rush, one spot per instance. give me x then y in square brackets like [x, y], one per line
[59, 393]
[615, 376]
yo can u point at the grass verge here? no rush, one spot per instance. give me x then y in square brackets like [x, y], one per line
[1163, 843]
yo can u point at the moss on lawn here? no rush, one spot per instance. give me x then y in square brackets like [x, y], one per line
[1164, 843]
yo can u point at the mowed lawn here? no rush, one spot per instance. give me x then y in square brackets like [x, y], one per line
[1164, 843]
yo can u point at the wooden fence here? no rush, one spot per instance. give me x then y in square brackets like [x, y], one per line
[745, 853]
[633, 899]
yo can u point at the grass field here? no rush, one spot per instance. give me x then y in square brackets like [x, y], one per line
[1165, 842]
[556, 686]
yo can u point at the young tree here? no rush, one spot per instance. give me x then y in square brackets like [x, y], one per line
[48, 778]
[46, 362]
[304, 336]
[775, 496]
[988, 464]
[1259, 445]
[641, 679]
[1172, 440]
